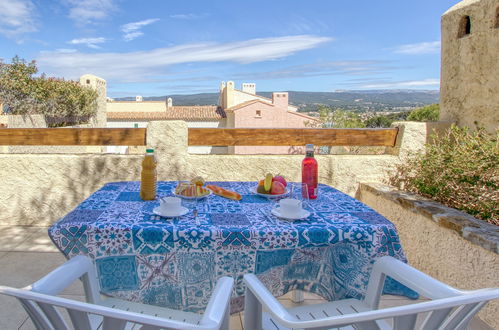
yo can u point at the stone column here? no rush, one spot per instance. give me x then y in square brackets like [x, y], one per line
[99, 84]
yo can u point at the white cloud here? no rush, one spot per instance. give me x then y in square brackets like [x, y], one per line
[419, 48]
[89, 42]
[405, 84]
[89, 11]
[335, 68]
[131, 30]
[65, 50]
[17, 17]
[188, 16]
[143, 65]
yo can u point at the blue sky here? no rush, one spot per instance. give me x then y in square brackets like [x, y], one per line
[181, 47]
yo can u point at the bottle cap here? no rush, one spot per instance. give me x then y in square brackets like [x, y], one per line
[149, 150]
[309, 147]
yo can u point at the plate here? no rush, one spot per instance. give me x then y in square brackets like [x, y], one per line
[269, 195]
[303, 214]
[183, 211]
[191, 197]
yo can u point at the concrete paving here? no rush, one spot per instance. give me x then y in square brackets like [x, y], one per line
[27, 254]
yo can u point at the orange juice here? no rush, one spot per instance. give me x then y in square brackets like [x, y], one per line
[148, 176]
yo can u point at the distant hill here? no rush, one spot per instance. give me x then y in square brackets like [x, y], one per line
[372, 100]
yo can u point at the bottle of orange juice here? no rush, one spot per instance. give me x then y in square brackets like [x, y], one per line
[148, 176]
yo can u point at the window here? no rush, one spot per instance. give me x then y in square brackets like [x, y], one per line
[464, 26]
[88, 81]
[136, 125]
[258, 113]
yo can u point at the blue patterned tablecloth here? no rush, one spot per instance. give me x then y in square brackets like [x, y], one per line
[175, 263]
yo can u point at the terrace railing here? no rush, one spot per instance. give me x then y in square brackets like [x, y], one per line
[202, 136]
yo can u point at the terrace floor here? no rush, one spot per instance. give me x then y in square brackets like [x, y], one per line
[27, 254]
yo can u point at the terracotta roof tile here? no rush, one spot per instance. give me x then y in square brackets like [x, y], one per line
[204, 112]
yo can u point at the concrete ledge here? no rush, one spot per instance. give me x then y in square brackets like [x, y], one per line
[468, 227]
[447, 244]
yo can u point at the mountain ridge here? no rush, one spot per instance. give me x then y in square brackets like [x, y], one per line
[354, 100]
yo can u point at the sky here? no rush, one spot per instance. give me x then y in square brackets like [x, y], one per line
[155, 48]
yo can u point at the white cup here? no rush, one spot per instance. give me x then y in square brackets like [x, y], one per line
[170, 204]
[289, 207]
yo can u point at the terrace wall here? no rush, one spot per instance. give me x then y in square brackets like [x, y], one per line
[37, 189]
[449, 245]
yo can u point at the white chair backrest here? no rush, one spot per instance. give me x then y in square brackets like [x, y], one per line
[46, 309]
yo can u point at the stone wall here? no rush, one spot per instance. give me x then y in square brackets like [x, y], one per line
[449, 245]
[37, 189]
[469, 90]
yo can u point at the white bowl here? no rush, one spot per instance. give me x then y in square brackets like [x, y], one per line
[269, 195]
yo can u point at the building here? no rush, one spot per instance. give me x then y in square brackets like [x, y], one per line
[469, 92]
[237, 109]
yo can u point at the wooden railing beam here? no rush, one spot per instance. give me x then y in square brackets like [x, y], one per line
[73, 136]
[292, 136]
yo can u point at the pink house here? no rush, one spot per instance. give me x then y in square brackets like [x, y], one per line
[245, 109]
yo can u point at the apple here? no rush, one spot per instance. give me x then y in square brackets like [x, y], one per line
[280, 178]
[277, 188]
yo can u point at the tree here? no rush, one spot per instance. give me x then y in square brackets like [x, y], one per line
[24, 94]
[338, 118]
[386, 120]
[427, 113]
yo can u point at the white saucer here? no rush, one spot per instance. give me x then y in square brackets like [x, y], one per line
[181, 212]
[269, 195]
[302, 215]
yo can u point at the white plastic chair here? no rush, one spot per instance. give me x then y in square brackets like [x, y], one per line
[43, 306]
[449, 309]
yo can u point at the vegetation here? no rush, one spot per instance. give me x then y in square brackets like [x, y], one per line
[428, 113]
[23, 94]
[459, 169]
[338, 118]
[386, 120]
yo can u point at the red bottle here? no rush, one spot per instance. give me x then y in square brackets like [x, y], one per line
[309, 171]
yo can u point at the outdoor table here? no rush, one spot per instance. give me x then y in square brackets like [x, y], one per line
[175, 263]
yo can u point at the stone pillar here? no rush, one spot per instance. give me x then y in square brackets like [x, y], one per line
[169, 141]
[99, 84]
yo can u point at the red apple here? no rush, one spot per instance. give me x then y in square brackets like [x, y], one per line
[280, 179]
[277, 188]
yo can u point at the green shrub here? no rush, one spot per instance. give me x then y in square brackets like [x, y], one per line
[24, 94]
[427, 113]
[459, 169]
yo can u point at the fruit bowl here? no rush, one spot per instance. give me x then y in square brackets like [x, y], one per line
[254, 190]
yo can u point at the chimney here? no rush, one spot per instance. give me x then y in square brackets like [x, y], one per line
[169, 102]
[280, 100]
[249, 88]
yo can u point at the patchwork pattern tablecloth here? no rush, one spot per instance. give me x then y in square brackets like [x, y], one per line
[175, 263]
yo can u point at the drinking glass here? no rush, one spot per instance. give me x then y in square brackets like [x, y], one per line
[191, 202]
[303, 196]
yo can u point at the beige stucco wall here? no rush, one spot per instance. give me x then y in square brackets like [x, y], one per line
[38, 189]
[469, 89]
[133, 106]
[439, 251]
[100, 85]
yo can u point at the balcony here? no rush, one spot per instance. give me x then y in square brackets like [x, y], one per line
[38, 189]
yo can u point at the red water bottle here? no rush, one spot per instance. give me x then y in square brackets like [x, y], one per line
[309, 171]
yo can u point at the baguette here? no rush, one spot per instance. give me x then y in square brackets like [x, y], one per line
[224, 192]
